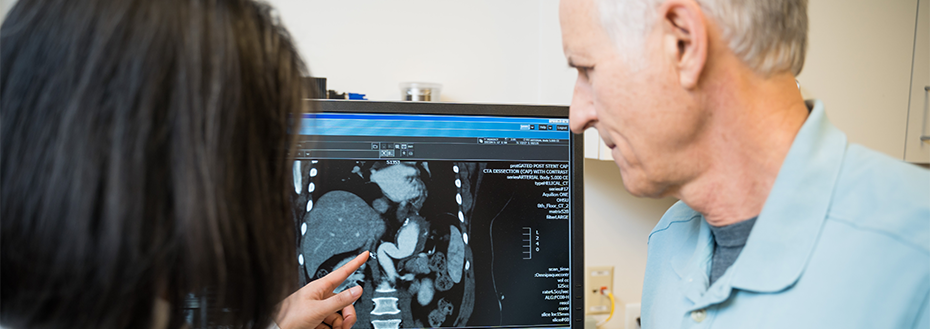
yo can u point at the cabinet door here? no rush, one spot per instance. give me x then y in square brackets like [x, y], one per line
[918, 123]
[591, 141]
[604, 152]
[859, 64]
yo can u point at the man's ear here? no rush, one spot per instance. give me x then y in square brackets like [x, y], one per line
[684, 39]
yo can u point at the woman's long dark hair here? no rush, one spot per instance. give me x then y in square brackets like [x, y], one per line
[143, 157]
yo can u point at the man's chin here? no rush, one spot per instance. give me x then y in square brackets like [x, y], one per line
[638, 191]
[639, 186]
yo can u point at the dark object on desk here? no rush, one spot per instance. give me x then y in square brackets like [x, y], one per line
[332, 94]
[315, 87]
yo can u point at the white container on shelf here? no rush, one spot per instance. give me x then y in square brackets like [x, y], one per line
[420, 91]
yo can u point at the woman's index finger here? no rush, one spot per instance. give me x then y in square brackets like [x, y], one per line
[334, 279]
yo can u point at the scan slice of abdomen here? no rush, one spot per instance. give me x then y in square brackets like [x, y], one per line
[415, 218]
[340, 222]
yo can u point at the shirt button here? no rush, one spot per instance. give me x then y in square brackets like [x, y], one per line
[698, 315]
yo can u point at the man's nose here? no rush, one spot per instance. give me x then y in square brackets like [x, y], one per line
[581, 112]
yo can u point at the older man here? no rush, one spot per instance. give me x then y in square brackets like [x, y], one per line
[782, 223]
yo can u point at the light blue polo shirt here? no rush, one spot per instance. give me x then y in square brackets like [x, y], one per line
[843, 241]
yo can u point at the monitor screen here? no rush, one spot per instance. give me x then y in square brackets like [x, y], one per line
[472, 213]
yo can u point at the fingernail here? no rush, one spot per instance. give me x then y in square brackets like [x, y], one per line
[355, 291]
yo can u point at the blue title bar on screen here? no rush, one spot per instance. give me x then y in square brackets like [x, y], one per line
[408, 125]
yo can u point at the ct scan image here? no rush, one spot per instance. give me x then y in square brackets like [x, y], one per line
[444, 239]
[411, 216]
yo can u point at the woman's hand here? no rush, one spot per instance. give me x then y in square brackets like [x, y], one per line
[315, 306]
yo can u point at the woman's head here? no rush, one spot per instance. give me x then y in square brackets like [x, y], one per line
[143, 157]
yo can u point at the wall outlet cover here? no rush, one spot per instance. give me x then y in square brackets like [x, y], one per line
[597, 277]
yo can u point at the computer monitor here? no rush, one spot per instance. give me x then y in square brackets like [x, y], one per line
[472, 212]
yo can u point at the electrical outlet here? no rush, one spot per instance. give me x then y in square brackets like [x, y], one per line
[598, 276]
[631, 314]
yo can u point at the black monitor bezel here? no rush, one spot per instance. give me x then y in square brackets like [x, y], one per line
[577, 159]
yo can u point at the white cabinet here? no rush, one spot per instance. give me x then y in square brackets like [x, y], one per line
[917, 149]
[591, 144]
[859, 63]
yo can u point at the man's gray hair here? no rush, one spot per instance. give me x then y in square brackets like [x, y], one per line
[770, 36]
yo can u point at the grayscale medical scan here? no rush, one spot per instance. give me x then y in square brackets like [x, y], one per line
[436, 230]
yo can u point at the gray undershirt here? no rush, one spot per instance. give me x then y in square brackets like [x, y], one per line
[728, 242]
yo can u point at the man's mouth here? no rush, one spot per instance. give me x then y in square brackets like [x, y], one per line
[607, 141]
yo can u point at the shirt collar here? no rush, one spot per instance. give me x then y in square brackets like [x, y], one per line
[786, 231]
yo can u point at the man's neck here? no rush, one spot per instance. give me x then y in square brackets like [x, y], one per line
[752, 126]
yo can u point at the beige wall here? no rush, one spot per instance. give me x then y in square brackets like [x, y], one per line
[859, 63]
[617, 225]
[481, 51]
